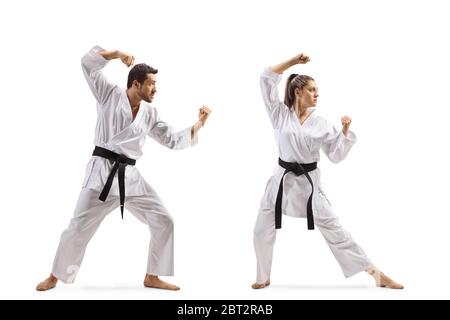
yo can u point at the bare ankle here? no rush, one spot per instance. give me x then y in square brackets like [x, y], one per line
[151, 276]
[372, 271]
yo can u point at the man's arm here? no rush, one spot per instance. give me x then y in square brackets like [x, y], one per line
[203, 115]
[92, 64]
[126, 58]
[164, 134]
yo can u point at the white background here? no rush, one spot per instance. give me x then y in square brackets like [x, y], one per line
[384, 63]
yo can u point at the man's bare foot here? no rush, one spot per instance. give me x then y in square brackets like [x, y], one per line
[383, 280]
[152, 281]
[47, 284]
[261, 285]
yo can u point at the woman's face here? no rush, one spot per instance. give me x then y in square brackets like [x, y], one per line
[308, 95]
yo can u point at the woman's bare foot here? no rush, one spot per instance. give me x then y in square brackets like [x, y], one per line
[152, 281]
[383, 280]
[261, 285]
[47, 284]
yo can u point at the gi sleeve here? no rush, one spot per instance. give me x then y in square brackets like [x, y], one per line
[92, 64]
[275, 107]
[164, 134]
[336, 145]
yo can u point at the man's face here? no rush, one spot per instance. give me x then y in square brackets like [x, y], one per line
[148, 89]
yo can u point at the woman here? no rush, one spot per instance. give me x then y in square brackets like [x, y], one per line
[295, 188]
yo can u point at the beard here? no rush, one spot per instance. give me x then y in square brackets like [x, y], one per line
[146, 98]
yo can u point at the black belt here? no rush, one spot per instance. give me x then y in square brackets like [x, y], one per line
[120, 162]
[298, 169]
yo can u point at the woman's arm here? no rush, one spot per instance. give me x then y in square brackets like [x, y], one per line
[337, 144]
[298, 59]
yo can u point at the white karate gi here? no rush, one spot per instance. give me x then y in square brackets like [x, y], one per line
[301, 143]
[116, 131]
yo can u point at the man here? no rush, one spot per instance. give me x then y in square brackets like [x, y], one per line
[123, 122]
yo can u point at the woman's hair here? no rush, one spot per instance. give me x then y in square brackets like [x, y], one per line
[139, 72]
[294, 81]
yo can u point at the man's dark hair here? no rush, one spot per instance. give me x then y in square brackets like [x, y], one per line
[139, 72]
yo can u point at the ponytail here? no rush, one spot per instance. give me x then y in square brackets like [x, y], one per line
[288, 93]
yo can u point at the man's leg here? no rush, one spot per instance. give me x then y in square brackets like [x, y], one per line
[150, 210]
[88, 215]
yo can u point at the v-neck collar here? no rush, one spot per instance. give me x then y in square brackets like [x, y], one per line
[310, 110]
[129, 110]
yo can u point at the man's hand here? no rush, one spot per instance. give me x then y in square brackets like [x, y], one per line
[126, 58]
[346, 121]
[203, 114]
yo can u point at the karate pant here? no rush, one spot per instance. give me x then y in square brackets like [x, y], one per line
[348, 254]
[88, 215]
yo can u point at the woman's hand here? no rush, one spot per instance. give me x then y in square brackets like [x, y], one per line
[300, 59]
